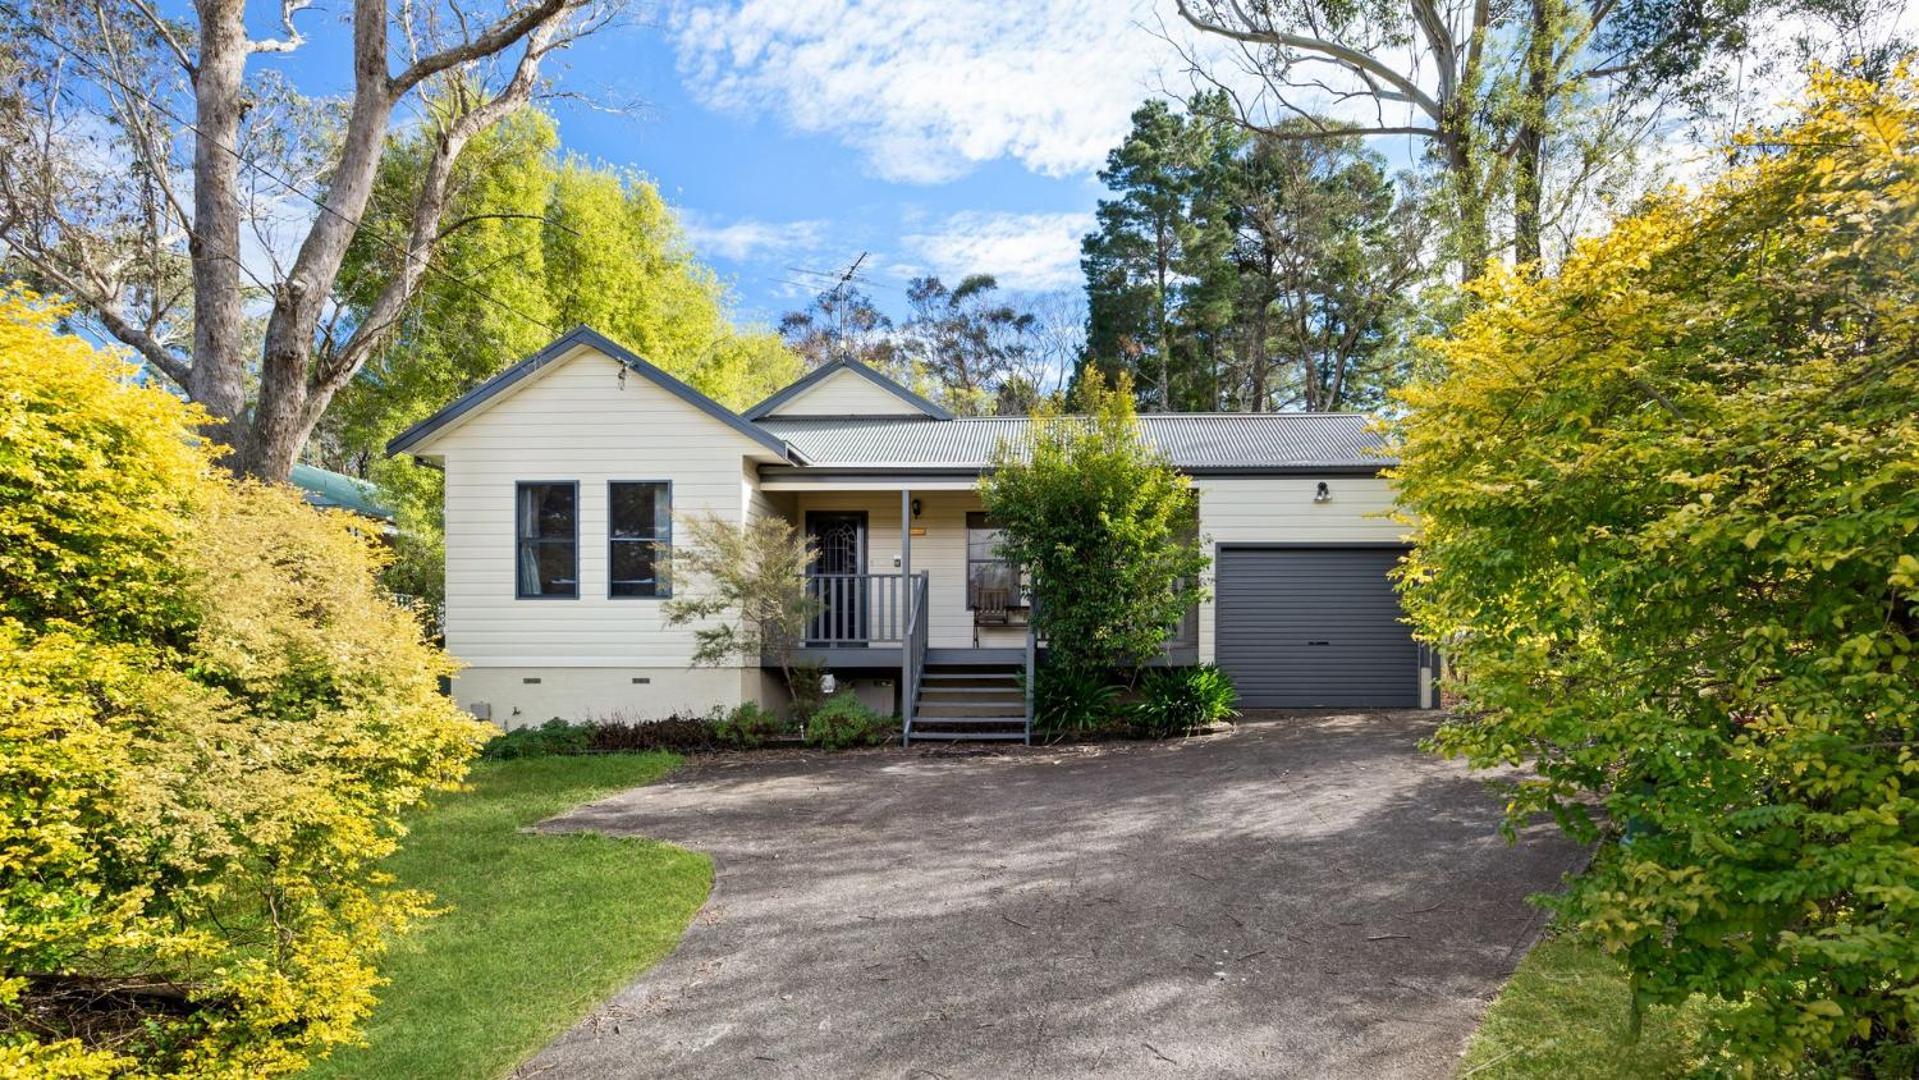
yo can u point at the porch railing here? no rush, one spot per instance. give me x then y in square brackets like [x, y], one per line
[856, 609]
[1031, 683]
[913, 652]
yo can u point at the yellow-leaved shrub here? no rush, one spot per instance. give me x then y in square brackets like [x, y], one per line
[210, 720]
[1668, 510]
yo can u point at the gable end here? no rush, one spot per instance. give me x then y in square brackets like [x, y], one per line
[480, 396]
[850, 368]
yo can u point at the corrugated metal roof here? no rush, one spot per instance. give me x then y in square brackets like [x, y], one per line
[338, 491]
[1189, 440]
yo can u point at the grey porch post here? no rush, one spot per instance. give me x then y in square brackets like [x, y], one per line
[907, 594]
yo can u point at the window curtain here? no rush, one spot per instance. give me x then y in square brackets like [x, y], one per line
[530, 583]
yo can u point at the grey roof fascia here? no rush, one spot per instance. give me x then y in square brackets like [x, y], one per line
[932, 471]
[582, 335]
[845, 363]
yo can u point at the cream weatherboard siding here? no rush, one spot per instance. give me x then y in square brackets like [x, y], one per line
[1281, 510]
[846, 393]
[577, 420]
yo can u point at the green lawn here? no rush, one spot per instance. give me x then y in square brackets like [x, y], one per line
[1565, 1015]
[538, 929]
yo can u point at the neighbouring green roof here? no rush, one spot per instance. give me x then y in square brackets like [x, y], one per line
[339, 491]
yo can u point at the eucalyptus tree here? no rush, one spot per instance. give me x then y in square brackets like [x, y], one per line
[968, 339]
[1493, 88]
[547, 241]
[200, 210]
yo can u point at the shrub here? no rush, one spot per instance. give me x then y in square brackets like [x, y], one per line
[678, 734]
[1176, 700]
[211, 719]
[556, 736]
[743, 590]
[1074, 703]
[1669, 514]
[1104, 525]
[843, 721]
[748, 727]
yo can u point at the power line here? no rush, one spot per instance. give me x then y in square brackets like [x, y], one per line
[290, 186]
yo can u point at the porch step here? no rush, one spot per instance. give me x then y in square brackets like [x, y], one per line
[976, 701]
[954, 736]
[980, 711]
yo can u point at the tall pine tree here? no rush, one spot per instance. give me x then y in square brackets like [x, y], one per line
[1249, 271]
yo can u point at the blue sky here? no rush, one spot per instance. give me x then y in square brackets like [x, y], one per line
[944, 136]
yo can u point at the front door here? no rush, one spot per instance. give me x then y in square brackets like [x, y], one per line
[837, 576]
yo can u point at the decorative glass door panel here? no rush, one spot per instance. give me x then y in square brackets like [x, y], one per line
[837, 578]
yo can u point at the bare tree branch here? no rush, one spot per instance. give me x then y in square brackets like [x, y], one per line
[1352, 57]
[294, 38]
[387, 308]
[166, 35]
[496, 38]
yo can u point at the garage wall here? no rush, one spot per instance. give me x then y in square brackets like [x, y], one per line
[1280, 509]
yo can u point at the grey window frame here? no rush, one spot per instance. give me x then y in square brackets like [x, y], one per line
[1018, 600]
[519, 585]
[662, 590]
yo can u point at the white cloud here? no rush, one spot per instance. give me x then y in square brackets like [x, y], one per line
[928, 89]
[1027, 252]
[749, 238]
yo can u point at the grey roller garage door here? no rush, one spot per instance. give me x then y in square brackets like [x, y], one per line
[1309, 627]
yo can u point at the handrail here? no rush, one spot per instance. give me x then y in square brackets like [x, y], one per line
[1032, 661]
[913, 652]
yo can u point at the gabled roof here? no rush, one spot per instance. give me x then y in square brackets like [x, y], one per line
[846, 363]
[477, 397]
[1201, 442]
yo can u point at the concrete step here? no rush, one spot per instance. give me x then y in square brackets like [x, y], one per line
[955, 736]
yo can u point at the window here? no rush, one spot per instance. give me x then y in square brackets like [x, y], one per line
[640, 538]
[549, 540]
[988, 576]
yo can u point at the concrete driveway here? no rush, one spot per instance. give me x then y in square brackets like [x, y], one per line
[1308, 896]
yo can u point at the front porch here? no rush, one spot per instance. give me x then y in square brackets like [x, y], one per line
[906, 588]
[907, 585]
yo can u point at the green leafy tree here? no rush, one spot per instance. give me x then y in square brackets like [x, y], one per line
[1103, 525]
[1668, 514]
[534, 244]
[1328, 257]
[840, 322]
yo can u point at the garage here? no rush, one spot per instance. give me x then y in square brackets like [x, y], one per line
[1310, 627]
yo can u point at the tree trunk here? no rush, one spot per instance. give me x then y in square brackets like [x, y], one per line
[1473, 245]
[1529, 159]
[217, 378]
[280, 427]
[1162, 244]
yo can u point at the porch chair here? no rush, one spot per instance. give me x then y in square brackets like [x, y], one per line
[990, 608]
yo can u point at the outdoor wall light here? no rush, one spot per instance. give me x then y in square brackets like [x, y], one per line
[1323, 493]
[917, 507]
